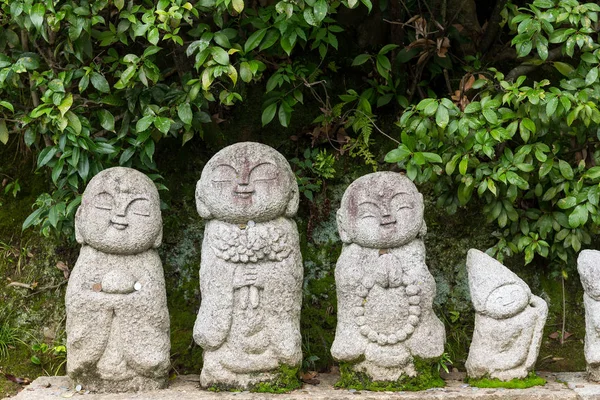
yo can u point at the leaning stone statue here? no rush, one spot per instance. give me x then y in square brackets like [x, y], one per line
[251, 268]
[117, 317]
[588, 266]
[509, 321]
[385, 291]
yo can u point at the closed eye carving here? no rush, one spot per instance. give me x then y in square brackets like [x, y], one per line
[224, 173]
[263, 172]
[368, 209]
[140, 207]
[104, 201]
[402, 200]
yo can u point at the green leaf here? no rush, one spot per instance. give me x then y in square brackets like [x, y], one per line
[30, 220]
[37, 14]
[432, 157]
[144, 123]
[490, 115]
[100, 83]
[563, 68]
[268, 114]
[162, 124]
[441, 117]
[219, 55]
[565, 169]
[74, 122]
[3, 132]
[254, 40]
[309, 17]
[238, 5]
[245, 72]
[46, 155]
[397, 155]
[285, 114]
[578, 216]
[592, 76]
[126, 155]
[464, 164]
[320, 10]
[65, 104]
[153, 36]
[567, 202]
[360, 59]
[551, 106]
[184, 111]
[107, 120]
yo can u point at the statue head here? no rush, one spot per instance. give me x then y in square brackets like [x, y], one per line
[247, 181]
[119, 213]
[381, 210]
[495, 290]
[588, 266]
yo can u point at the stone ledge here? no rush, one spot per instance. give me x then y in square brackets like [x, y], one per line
[560, 386]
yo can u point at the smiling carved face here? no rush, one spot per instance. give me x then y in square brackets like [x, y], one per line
[247, 181]
[381, 210]
[120, 213]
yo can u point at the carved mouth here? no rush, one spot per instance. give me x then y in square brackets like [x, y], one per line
[119, 226]
[244, 195]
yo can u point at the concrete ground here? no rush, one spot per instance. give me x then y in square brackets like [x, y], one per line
[561, 386]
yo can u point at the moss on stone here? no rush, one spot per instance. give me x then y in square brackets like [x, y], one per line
[427, 377]
[486, 382]
[287, 379]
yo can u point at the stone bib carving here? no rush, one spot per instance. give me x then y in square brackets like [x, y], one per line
[385, 291]
[509, 321]
[117, 317]
[588, 266]
[251, 268]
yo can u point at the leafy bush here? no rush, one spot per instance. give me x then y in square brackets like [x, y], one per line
[88, 85]
[529, 149]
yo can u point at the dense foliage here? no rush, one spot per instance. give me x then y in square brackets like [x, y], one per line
[87, 85]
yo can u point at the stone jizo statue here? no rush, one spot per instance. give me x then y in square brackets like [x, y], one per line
[588, 266]
[117, 317]
[509, 321]
[385, 291]
[251, 268]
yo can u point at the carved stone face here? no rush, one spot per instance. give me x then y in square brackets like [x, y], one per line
[120, 213]
[247, 181]
[381, 210]
[506, 301]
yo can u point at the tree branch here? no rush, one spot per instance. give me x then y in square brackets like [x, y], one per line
[528, 67]
[493, 26]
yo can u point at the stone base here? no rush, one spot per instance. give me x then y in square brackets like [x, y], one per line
[593, 373]
[378, 373]
[134, 384]
[560, 386]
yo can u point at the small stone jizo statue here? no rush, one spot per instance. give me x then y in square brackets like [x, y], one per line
[588, 266]
[385, 291]
[117, 317]
[251, 268]
[509, 321]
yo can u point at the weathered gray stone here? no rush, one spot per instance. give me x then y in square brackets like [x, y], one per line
[251, 269]
[385, 291]
[588, 266]
[186, 388]
[117, 317]
[509, 321]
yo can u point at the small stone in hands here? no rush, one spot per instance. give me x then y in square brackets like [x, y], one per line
[118, 282]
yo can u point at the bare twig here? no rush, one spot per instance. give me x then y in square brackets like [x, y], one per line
[528, 67]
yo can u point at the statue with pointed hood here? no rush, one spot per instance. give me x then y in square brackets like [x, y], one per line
[251, 268]
[117, 316]
[509, 321]
[384, 288]
[588, 266]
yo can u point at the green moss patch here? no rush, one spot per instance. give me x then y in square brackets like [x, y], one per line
[486, 382]
[287, 380]
[427, 377]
